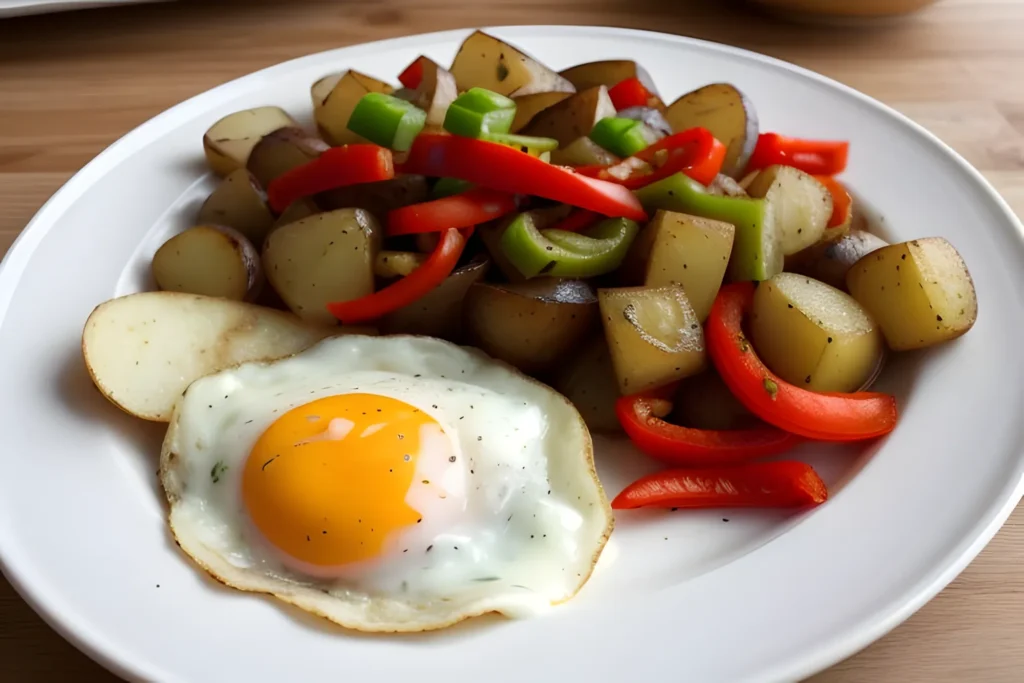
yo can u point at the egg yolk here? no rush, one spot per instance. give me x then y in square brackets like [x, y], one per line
[327, 481]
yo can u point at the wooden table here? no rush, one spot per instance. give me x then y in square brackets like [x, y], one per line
[71, 84]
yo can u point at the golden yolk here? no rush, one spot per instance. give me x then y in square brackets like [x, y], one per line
[327, 481]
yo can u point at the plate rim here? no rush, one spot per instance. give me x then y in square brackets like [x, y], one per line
[813, 660]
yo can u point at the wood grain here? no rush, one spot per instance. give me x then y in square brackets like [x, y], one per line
[72, 84]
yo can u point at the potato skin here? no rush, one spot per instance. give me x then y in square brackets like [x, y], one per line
[486, 62]
[211, 260]
[229, 141]
[572, 118]
[240, 203]
[831, 261]
[323, 258]
[531, 325]
[281, 151]
[920, 292]
[727, 113]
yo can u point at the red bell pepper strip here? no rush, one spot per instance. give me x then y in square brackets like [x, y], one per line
[841, 200]
[783, 484]
[576, 221]
[409, 289]
[814, 415]
[505, 169]
[816, 157]
[640, 417]
[413, 74]
[335, 167]
[457, 211]
[695, 152]
[629, 93]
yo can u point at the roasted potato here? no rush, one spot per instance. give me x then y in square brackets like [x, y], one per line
[296, 211]
[813, 335]
[572, 118]
[439, 313]
[334, 98]
[610, 73]
[483, 61]
[679, 249]
[528, 106]
[532, 325]
[378, 198]
[919, 292]
[802, 206]
[281, 151]
[436, 91]
[727, 113]
[212, 260]
[323, 258]
[240, 203]
[228, 142]
[392, 264]
[704, 402]
[583, 152]
[831, 261]
[588, 380]
[653, 334]
[143, 350]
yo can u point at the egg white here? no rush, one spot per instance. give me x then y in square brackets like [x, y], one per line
[533, 523]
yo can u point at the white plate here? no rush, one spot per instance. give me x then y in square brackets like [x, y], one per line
[17, 8]
[686, 596]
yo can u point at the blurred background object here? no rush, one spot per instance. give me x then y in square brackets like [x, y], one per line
[17, 8]
[841, 11]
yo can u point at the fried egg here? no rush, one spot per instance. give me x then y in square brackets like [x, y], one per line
[386, 483]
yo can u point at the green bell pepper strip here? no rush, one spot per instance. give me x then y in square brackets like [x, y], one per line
[387, 121]
[756, 249]
[533, 146]
[446, 187]
[559, 253]
[477, 112]
[623, 137]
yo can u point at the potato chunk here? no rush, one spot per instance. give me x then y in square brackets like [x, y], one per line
[281, 151]
[323, 258]
[334, 98]
[919, 291]
[572, 118]
[483, 61]
[813, 335]
[802, 206]
[676, 248]
[240, 203]
[588, 380]
[653, 335]
[531, 325]
[228, 142]
[212, 260]
[727, 113]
